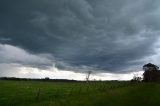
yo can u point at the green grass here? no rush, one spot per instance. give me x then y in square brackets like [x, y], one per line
[36, 93]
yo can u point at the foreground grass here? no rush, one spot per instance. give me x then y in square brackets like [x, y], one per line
[35, 93]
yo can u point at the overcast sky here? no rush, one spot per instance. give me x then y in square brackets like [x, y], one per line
[67, 38]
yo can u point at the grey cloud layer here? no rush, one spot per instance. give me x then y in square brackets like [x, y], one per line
[101, 35]
[11, 54]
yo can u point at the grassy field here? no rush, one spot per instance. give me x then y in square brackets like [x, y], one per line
[36, 93]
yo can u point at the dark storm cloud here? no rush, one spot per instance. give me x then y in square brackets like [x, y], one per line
[85, 34]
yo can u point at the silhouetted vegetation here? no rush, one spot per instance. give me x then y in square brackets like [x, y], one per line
[136, 79]
[151, 73]
[88, 75]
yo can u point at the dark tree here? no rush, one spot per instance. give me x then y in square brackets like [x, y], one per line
[151, 73]
[150, 67]
[136, 78]
[47, 78]
[88, 76]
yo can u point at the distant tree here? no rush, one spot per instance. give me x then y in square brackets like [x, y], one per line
[46, 78]
[150, 67]
[88, 76]
[136, 78]
[151, 72]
